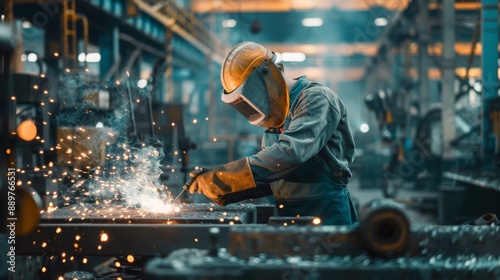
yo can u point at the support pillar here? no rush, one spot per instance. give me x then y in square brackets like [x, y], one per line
[109, 48]
[489, 67]
[448, 78]
[423, 57]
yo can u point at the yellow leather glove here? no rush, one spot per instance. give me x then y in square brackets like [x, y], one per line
[225, 184]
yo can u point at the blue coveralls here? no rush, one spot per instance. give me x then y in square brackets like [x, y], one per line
[307, 162]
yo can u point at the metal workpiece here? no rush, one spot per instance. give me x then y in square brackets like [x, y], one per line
[198, 264]
[200, 213]
[117, 239]
[89, 229]
[309, 242]
[384, 228]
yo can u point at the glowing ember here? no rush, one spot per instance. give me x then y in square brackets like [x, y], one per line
[84, 260]
[104, 237]
[130, 258]
[316, 221]
[58, 230]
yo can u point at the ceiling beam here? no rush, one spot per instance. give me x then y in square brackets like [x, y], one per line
[204, 6]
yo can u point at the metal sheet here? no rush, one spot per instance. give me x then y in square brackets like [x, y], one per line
[116, 239]
[203, 213]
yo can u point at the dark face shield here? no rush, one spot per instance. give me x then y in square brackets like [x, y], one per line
[262, 98]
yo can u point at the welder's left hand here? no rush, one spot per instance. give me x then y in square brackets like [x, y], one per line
[222, 184]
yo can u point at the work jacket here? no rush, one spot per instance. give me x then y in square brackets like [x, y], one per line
[306, 162]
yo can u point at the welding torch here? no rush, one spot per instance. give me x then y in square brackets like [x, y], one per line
[193, 175]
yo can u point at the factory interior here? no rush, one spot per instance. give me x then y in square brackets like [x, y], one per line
[107, 106]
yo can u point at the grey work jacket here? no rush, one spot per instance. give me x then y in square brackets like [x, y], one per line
[310, 158]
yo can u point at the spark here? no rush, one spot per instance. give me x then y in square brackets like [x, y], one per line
[104, 237]
[84, 260]
[130, 258]
[58, 230]
[316, 221]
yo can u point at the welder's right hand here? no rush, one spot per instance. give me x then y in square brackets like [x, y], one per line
[221, 181]
[194, 174]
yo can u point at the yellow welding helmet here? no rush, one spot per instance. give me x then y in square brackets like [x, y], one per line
[254, 85]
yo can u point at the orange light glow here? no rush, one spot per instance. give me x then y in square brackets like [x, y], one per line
[27, 130]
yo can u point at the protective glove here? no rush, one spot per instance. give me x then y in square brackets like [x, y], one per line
[228, 183]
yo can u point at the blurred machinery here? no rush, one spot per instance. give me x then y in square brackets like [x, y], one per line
[434, 98]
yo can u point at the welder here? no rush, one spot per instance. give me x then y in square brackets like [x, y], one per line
[307, 145]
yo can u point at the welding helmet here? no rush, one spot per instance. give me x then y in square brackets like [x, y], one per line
[254, 85]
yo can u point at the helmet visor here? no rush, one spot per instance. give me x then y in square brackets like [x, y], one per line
[251, 98]
[262, 98]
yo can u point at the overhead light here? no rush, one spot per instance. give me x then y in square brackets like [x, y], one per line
[90, 57]
[312, 22]
[381, 21]
[293, 56]
[32, 57]
[142, 83]
[278, 58]
[364, 128]
[229, 23]
[81, 57]
[26, 24]
[93, 57]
